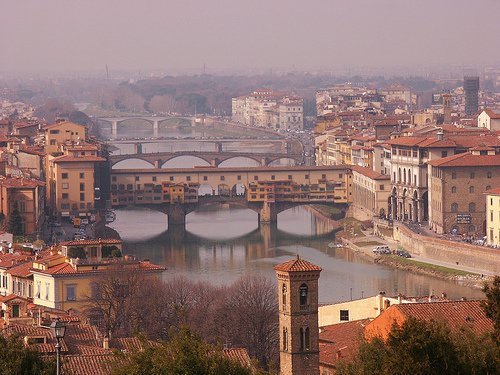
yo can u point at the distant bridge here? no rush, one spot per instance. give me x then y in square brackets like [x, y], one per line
[158, 160]
[155, 121]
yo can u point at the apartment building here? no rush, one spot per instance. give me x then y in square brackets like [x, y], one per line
[371, 191]
[493, 216]
[62, 132]
[269, 109]
[26, 197]
[458, 184]
[71, 179]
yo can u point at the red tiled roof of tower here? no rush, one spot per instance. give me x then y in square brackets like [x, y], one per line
[297, 265]
[456, 314]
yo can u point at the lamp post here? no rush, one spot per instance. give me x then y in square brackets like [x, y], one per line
[58, 329]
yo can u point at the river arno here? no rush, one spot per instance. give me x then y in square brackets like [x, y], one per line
[221, 243]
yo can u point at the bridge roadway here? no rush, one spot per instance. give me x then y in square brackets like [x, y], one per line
[213, 158]
[128, 187]
[153, 120]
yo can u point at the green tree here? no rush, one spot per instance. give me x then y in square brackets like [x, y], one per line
[185, 354]
[492, 305]
[15, 359]
[16, 223]
[424, 348]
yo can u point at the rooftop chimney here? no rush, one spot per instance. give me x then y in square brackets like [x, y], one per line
[440, 134]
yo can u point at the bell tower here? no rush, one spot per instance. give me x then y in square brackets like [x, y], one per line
[298, 317]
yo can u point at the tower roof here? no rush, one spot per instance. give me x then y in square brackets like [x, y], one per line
[297, 265]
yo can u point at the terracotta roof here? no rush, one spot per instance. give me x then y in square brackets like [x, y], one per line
[449, 141]
[370, 173]
[456, 314]
[297, 265]
[495, 191]
[21, 270]
[9, 297]
[466, 159]
[32, 150]
[492, 114]
[55, 125]
[11, 182]
[340, 341]
[13, 259]
[239, 355]
[87, 364]
[70, 158]
[100, 241]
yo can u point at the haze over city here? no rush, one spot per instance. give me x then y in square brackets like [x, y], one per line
[246, 37]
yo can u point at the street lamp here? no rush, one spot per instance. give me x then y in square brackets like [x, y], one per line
[58, 329]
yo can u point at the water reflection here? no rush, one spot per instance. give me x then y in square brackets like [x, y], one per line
[219, 245]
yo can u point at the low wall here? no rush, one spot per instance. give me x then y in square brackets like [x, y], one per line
[478, 257]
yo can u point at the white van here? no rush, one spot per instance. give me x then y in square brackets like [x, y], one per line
[382, 249]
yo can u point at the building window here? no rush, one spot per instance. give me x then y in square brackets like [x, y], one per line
[82, 206]
[82, 186]
[283, 295]
[171, 178]
[273, 177]
[454, 207]
[52, 142]
[491, 215]
[65, 185]
[306, 177]
[82, 196]
[256, 178]
[488, 175]
[239, 178]
[472, 175]
[65, 195]
[444, 154]
[205, 178]
[303, 295]
[47, 288]
[488, 188]
[188, 178]
[472, 207]
[471, 189]
[344, 315]
[289, 176]
[222, 178]
[129, 187]
[113, 178]
[382, 187]
[154, 178]
[82, 175]
[64, 175]
[38, 289]
[304, 339]
[285, 339]
[453, 175]
[453, 189]
[70, 292]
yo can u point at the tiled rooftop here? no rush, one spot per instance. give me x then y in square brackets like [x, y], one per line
[297, 265]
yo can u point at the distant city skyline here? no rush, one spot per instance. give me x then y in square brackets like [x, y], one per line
[194, 36]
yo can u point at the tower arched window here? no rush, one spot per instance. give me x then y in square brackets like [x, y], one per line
[471, 189]
[283, 295]
[404, 176]
[454, 207]
[303, 291]
[453, 189]
[305, 339]
[285, 338]
[399, 175]
[472, 207]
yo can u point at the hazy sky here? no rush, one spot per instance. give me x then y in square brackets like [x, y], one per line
[182, 35]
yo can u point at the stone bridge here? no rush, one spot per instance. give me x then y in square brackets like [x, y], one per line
[155, 121]
[158, 160]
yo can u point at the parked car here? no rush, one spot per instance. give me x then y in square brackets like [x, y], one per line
[382, 249]
[403, 254]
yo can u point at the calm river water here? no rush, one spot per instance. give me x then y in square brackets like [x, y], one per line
[222, 243]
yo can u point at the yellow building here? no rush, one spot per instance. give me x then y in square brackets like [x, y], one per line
[71, 179]
[62, 132]
[63, 278]
[493, 216]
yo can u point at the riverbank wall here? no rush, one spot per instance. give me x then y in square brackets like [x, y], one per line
[478, 257]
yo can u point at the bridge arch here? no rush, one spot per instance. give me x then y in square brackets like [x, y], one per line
[186, 161]
[241, 161]
[133, 163]
[129, 126]
[282, 161]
